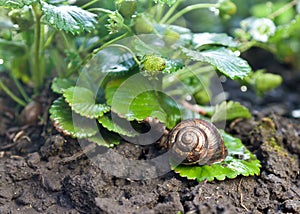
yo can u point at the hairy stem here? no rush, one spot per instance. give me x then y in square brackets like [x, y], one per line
[42, 65]
[170, 12]
[129, 50]
[110, 42]
[188, 9]
[102, 10]
[37, 78]
[159, 12]
[89, 4]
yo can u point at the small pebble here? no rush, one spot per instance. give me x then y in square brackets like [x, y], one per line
[31, 113]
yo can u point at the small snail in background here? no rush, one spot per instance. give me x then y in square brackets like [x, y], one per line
[196, 141]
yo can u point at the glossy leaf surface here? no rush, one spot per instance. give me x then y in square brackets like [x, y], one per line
[117, 125]
[68, 18]
[59, 85]
[82, 101]
[229, 111]
[16, 3]
[223, 59]
[223, 39]
[62, 117]
[238, 162]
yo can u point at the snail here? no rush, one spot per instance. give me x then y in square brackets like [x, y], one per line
[196, 141]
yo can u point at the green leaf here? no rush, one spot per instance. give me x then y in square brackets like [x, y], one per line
[15, 4]
[172, 66]
[229, 111]
[223, 59]
[121, 68]
[172, 110]
[146, 105]
[59, 85]
[169, 2]
[130, 102]
[238, 162]
[115, 125]
[82, 101]
[109, 63]
[69, 18]
[134, 98]
[200, 39]
[148, 47]
[105, 138]
[62, 117]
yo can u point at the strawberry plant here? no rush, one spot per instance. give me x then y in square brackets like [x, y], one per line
[137, 71]
[136, 77]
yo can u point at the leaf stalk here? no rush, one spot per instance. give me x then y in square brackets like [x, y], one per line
[11, 94]
[36, 73]
[188, 9]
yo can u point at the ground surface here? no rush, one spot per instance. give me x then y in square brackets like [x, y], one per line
[42, 171]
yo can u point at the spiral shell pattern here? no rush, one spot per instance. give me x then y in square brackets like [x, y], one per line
[196, 142]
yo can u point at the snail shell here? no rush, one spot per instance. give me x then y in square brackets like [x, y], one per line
[196, 142]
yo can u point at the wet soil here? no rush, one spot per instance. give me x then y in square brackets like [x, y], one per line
[42, 171]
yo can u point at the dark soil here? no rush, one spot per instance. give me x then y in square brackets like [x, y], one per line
[42, 171]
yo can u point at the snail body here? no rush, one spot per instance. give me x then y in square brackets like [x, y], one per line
[196, 141]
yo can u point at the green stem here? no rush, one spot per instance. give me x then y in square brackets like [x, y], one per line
[249, 44]
[11, 94]
[66, 40]
[89, 56]
[97, 43]
[67, 46]
[159, 12]
[185, 73]
[110, 42]
[49, 40]
[283, 9]
[37, 37]
[129, 50]
[188, 9]
[101, 10]
[246, 46]
[42, 66]
[83, 45]
[20, 88]
[267, 47]
[89, 4]
[170, 12]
